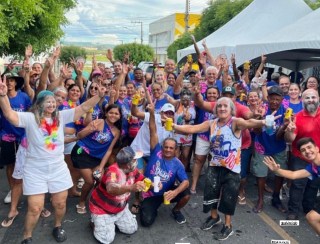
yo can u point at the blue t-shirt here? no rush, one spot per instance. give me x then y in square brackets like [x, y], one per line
[272, 83]
[296, 107]
[168, 170]
[266, 144]
[97, 143]
[314, 170]
[20, 103]
[158, 105]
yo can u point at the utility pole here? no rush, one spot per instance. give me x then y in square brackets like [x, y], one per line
[141, 31]
[186, 16]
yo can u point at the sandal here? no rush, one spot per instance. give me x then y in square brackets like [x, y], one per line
[45, 213]
[279, 206]
[59, 234]
[7, 222]
[135, 208]
[193, 192]
[242, 200]
[81, 210]
[257, 209]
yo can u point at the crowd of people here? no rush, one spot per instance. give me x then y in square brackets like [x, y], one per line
[103, 135]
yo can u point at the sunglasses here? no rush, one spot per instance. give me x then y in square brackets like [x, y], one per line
[94, 87]
[169, 113]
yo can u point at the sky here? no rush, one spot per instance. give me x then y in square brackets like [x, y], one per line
[111, 22]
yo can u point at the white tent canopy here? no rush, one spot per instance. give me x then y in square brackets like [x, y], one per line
[296, 46]
[258, 19]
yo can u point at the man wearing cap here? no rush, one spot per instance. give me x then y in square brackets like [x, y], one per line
[142, 140]
[11, 135]
[270, 143]
[169, 168]
[109, 200]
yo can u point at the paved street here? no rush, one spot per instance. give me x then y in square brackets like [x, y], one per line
[248, 226]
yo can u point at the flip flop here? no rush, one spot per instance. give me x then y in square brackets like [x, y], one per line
[242, 200]
[45, 213]
[135, 208]
[257, 210]
[7, 222]
[81, 210]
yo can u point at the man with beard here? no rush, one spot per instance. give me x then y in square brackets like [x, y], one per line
[305, 124]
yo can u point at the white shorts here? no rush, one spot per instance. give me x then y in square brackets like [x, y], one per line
[51, 178]
[202, 147]
[104, 225]
[20, 160]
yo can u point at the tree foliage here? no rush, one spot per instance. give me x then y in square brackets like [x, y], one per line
[313, 4]
[68, 52]
[216, 15]
[36, 22]
[183, 41]
[138, 52]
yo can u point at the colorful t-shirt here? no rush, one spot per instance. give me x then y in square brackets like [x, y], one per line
[97, 143]
[225, 147]
[101, 202]
[179, 119]
[168, 170]
[314, 170]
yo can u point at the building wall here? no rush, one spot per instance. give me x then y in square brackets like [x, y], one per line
[165, 31]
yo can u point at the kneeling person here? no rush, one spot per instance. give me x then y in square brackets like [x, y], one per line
[164, 164]
[109, 201]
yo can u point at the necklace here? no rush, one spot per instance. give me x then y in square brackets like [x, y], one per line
[50, 133]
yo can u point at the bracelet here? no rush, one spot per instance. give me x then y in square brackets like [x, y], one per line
[3, 95]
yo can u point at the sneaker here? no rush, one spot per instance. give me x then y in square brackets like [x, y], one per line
[7, 199]
[210, 222]
[59, 234]
[178, 216]
[27, 241]
[224, 233]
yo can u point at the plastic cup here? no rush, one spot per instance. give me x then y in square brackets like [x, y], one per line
[288, 113]
[148, 183]
[269, 124]
[168, 125]
[156, 181]
[165, 201]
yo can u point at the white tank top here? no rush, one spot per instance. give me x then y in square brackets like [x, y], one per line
[225, 147]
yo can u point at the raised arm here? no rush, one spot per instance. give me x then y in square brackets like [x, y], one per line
[8, 112]
[234, 67]
[261, 66]
[154, 140]
[209, 55]
[199, 102]
[27, 87]
[292, 175]
[191, 129]
[87, 105]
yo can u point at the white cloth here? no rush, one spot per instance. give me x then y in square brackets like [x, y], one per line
[45, 169]
[104, 225]
[142, 141]
[19, 165]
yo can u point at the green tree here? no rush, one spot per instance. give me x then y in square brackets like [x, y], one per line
[183, 41]
[36, 22]
[313, 4]
[138, 52]
[68, 52]
[216, 15]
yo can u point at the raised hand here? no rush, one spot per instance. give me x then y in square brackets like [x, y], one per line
[94, 62]
[272, 165]
[186, 68]
[233, 58]
[64, 73]
[291, 125]
[49, 62]
[150, 107]
[193, 38]
[56, 53]
[126, 57]
[204, 43]
[3, 86]
[26, 66]
[109, 55]
[28, 52]
[263, 58]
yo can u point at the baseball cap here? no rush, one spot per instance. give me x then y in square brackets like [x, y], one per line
[167, 107]
[228, 89]
[96, 73]
[275, 90]
[127, 154]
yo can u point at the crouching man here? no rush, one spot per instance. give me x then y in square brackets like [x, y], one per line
[109, 201]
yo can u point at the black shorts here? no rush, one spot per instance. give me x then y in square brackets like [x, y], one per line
[8, 152]
[221, 187]
[82, 160]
